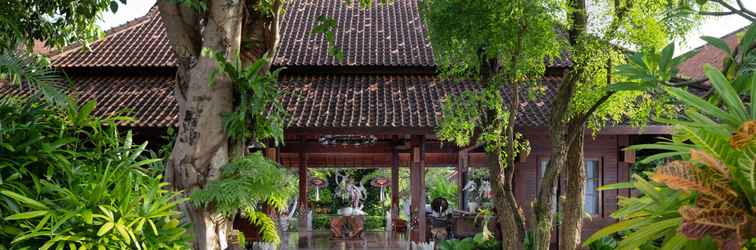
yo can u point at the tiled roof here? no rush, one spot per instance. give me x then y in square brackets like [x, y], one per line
[707, 54]
[142, 42]
[399, 101]
[148, 99]
[338, 101]
[383, 35]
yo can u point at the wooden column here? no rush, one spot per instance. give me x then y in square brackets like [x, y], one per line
[394, 184]
[417, 188]
[271, 154]
[302, 190]
[462, 168]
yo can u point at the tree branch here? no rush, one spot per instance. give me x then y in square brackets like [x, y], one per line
[685, 83]
[744, 9]
[583, 118]
[745, 13]
[715, 13]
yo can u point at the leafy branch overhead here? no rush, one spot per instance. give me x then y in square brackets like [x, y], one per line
[325, 25]
[465, 40]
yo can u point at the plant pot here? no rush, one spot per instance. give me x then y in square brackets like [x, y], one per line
[346, 211]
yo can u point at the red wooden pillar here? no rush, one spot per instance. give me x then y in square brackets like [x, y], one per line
[394, 184]
[417, 188]
[302, 190]
[271, 154]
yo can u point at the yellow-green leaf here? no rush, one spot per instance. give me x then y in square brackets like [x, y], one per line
[616, 227]
[25, 200]
[26, 215]
[105, 228]
[123, 231]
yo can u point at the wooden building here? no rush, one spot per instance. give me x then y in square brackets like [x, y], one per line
[385, 87]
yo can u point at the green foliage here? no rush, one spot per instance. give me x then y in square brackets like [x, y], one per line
[498, 42]
[325, 26]
[268, 228]
[258, 113]
[465, 115]
[465, 34]
[440, 186]
[68, 180]
[598, 58]
[741, 61]
[244, 185]
[477, 242]
[606, 243]
[714, 186]
[57, 23]
[376, 222]
[647, 218]
[18, 68]
[321, 222]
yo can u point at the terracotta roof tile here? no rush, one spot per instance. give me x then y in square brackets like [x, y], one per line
[140, 43]
[398, 101]
[707, 54]
[148, 99]
[383, 35]
[336, 101]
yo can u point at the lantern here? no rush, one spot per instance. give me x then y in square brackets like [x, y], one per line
[318, 183]
[380, 182]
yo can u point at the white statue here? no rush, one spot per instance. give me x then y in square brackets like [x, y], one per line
[348, 190]
[485, 190]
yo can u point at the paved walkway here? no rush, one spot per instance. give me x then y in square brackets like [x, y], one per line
[322, 240]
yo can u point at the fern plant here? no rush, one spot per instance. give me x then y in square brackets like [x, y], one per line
[258, 113]
[244, 186]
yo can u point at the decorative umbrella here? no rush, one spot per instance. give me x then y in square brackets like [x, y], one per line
[318, 183]
[380, 182]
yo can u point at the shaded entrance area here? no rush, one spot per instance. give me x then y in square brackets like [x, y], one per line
[415, 153]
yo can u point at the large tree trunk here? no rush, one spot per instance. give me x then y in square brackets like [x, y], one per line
[562, 132]
[545, 200]
[559, 132]
[508, 215]
[201, 147]
[572, 208]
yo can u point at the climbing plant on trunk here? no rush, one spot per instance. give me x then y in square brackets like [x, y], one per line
[502, 45]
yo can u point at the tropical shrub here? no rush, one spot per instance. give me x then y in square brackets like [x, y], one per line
[711, 192]
[477, 242]
[246, 185]
[439, 186]
[69, 180]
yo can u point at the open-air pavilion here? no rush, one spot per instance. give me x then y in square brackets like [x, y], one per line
[385, 88]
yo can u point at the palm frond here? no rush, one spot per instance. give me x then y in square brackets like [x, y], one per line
[21, 69]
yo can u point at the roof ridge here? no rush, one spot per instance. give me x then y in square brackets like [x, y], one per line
[115, 30]
[734, 32]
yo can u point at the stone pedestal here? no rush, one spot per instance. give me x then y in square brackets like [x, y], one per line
[347, 227]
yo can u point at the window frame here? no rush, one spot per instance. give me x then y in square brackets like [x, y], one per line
[599, 182]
